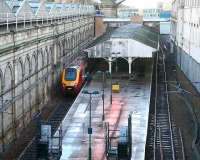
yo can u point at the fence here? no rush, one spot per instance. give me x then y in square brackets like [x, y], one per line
[27, 20]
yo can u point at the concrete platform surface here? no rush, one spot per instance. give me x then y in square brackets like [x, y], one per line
[134, 99]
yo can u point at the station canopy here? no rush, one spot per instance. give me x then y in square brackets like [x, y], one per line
[131, 40]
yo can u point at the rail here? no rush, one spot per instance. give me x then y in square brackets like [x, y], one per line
[164, 145]
[155, 111]
[182, 145]
[168, 107]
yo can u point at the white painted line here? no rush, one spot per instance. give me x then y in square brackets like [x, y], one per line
[80, 112]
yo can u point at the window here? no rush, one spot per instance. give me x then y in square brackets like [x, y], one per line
[70, 74]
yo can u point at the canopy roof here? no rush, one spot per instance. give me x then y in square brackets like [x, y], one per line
[127, 41]
[35, 8]
[112, 2]
[137, 32]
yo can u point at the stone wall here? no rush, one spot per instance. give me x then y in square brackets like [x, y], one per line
[31, 61]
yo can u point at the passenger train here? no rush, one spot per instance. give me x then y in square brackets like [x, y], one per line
[73, 78]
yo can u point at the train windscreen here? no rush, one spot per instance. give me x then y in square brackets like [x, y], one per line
[70, 74]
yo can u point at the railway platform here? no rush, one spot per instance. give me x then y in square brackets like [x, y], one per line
[133, 99]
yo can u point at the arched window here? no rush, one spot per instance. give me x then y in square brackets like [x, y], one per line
[7, 96]
[1, 90]
[8, 77]
[50, 55]
[18, 71]
[59, 51]
[27, 69]
[40, 60]
[40, 75]
[1, 113]
[45, 54]
[63, 47]
[33, 82]
[19, 88]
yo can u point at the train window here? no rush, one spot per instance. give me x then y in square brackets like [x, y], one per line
[70, 74]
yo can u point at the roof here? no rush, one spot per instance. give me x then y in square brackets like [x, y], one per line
[137, 32]
[127, 41]
[36, 8]
[116, 19]
[107, 2]
[5, 10]
[14, 5]
[158, 19]
[41, 10]
[112, 2]
[24, 9]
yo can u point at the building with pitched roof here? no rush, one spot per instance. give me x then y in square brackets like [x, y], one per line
[109, 7]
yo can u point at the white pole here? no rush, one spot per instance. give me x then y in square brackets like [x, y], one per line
[36, 21]
[24, 21]
[129, 64]
[16, 23]
[42, 19]
[31, 21]
[7, 21]
[110, 64]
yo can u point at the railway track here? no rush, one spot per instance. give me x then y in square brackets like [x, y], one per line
[167, 137]
[54, 119]
[164, 141]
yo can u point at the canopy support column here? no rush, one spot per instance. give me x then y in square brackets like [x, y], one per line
[110, 64]
[130, 60]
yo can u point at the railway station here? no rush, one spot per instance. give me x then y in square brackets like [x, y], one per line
[99, 80]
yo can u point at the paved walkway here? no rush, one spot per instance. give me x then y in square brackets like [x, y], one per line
[133, 99]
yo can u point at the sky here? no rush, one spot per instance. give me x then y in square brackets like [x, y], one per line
[144, 3]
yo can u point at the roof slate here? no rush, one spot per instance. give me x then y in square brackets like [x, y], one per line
[136, 32]
[5, 10]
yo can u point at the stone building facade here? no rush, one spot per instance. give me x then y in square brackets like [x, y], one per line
[31, 60]
[185, 38]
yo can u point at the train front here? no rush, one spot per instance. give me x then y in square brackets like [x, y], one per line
[70, 82]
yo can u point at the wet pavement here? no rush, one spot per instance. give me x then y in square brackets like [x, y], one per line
[134, 99]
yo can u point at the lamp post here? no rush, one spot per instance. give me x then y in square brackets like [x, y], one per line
[103, 93]
[111, 86]
[90, 128]
[110, 71]
[110, 61]
[103, 116]
[116, 53]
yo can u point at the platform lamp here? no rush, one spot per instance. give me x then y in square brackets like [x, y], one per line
[90, 115]
[110, 72]
[103, 89]
[116, 56]
[111, 61]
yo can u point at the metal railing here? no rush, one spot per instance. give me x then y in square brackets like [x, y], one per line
[8, 20]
